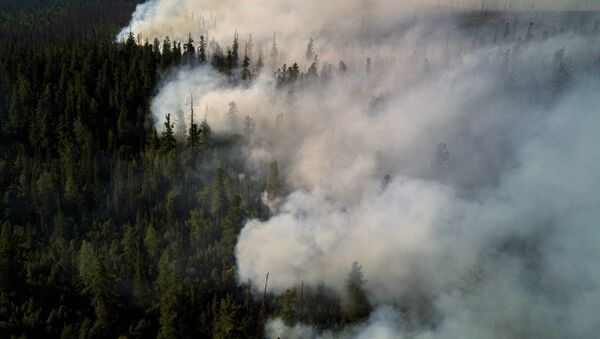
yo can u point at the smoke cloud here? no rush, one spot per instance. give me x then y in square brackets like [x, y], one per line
[459, 167]
[177, 18]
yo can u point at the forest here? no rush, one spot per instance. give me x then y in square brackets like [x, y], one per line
[110, 229]
[121, 219]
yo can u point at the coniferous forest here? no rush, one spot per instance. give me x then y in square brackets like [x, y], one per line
[114, 225]
[110, 228]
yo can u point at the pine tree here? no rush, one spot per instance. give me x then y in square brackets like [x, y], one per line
[168, 284]
[232, 223]
[293, 72]
[229, 63]
[139, 288]
[202, 51]
[218, 195]
[152, 242]
[156, 47]
[190, 51]
[193, 134]
[166, 59]
[312, 72]
[246, 75]
[42, 131]
[235, 52]
[224, 323]
[217, 58]
[288, 311]
[167, 140]
[98, 285]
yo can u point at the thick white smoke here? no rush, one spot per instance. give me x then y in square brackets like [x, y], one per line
[290, 18]
[465, 256]
[461, 169]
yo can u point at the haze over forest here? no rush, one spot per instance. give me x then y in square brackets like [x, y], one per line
[299, 169]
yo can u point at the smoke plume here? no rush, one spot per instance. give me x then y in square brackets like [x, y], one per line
[454, 155]
[177, 18]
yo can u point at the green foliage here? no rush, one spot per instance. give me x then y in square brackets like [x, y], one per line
[224, 323]
[288, 311]
[202, 50]
[218, 195]
[107, 228]
[103, 231]
[41, 20]
[167, 141]
[246, 74]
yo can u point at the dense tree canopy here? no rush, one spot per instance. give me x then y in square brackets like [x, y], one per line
[110, 228]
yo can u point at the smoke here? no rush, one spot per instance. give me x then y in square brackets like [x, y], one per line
[177, 18]
[382, 324]
[460, 168]
[518, 263]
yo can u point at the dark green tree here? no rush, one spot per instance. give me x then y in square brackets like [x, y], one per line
[218, 195]
[202, 51]
[288, 312]
[190, 51]
[235, 52]
[224, 323]
[246, 74]
[168, 143]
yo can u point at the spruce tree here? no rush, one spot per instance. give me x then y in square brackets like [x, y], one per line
[190, 51]
[167, 140]
[235, 52]
[202, 51]
[218, 195]
[246, 74]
